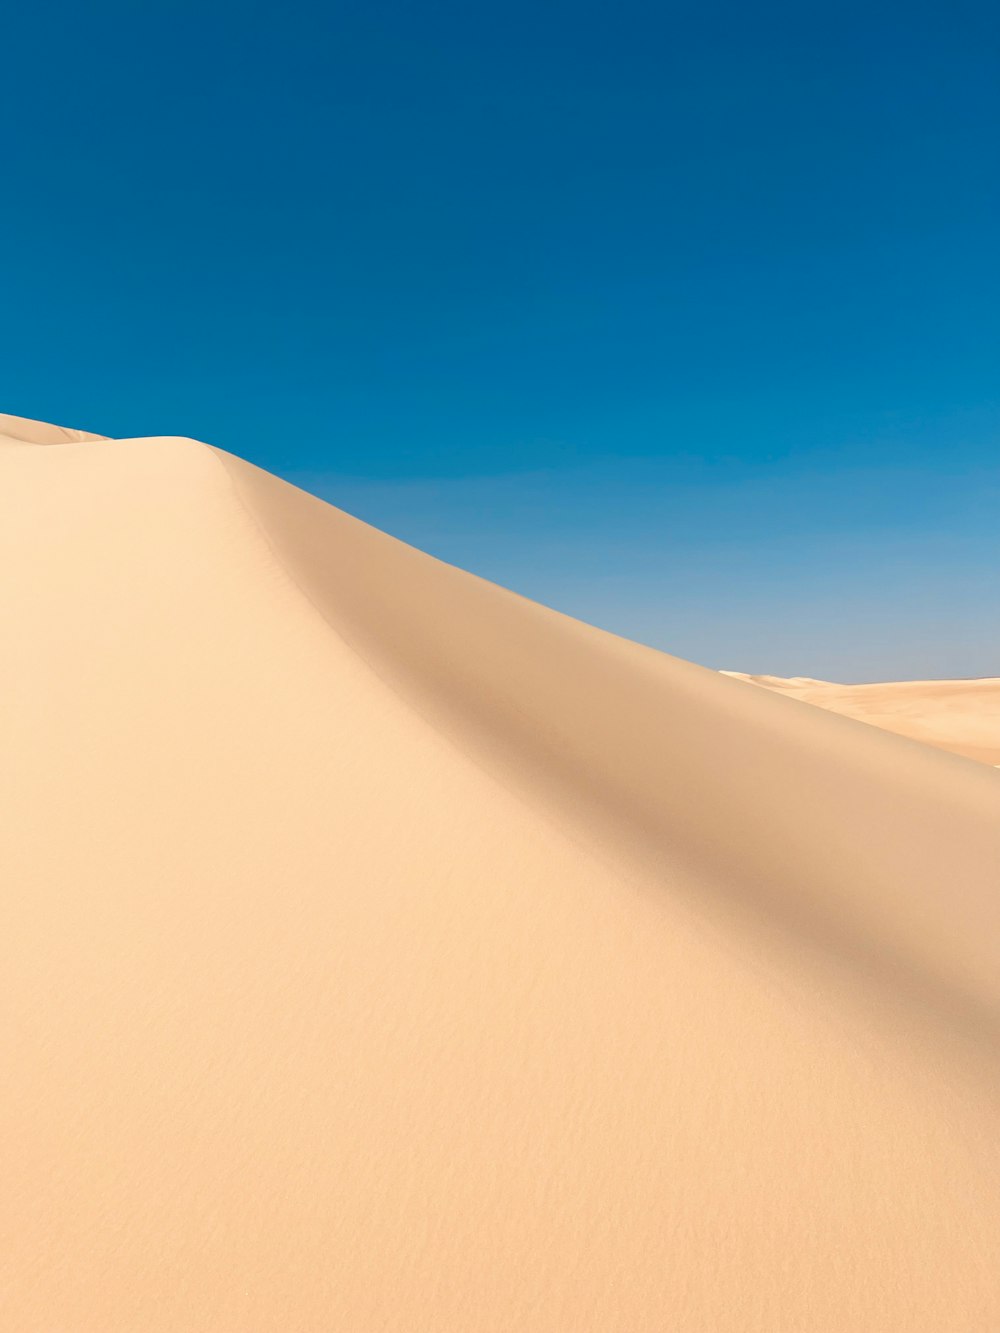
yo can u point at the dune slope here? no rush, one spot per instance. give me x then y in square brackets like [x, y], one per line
[962, 716]
[383, 951]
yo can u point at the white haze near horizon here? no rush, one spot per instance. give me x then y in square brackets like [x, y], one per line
[850, 573]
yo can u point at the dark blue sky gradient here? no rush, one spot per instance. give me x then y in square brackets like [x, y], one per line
[682, 317]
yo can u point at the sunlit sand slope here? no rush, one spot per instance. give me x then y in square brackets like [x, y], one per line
[382, 951]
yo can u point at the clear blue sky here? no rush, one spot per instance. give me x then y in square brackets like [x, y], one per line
[679, 317]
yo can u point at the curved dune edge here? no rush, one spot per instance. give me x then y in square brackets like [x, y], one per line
[642, 753]
[385, 951]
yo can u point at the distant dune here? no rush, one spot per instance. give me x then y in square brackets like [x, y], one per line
[19, 430]
[958, 715]
[383, 951]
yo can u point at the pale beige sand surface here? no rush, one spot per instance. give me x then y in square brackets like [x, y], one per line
[958, 715]
[382, 951]
[21, 430]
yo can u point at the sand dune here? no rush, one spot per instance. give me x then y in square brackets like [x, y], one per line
[383, 951]
[20, 430]
[962, 716]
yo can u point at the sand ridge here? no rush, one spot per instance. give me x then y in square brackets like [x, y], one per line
[21, 430]
[385, 951]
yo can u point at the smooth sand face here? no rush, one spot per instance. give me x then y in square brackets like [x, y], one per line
[962, 716]
[382, 951]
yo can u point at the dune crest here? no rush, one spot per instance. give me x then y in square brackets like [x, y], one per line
[386, 951]
[21, 430]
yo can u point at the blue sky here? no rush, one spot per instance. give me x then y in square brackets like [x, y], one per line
[679, 317]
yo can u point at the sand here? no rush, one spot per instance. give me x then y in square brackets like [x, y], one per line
[962, 716]
[21, 430]
[383, 951]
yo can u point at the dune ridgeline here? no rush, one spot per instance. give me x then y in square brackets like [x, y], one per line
[385, 952]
